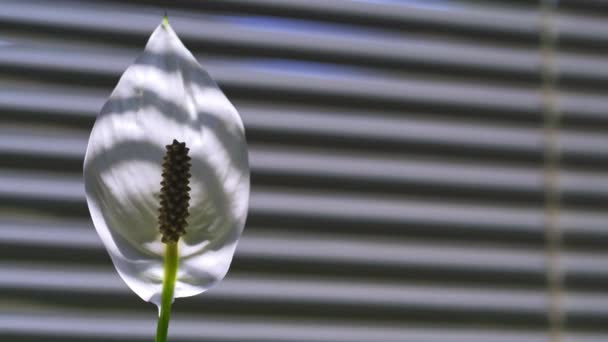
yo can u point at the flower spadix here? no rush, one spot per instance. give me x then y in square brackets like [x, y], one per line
[167, 163]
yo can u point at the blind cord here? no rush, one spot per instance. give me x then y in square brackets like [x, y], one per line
[551, 119]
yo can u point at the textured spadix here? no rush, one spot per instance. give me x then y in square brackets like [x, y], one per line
[166, 95]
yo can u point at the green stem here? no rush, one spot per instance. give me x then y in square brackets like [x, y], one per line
[171, 264]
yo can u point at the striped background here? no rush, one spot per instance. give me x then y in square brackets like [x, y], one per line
[397, 158]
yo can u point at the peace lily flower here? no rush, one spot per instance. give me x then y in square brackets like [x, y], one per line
[167, 176]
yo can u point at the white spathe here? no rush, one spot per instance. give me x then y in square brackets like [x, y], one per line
[167, 95]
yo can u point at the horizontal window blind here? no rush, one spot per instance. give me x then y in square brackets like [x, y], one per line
[397, 152]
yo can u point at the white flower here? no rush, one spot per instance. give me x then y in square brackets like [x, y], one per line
[166, 95]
